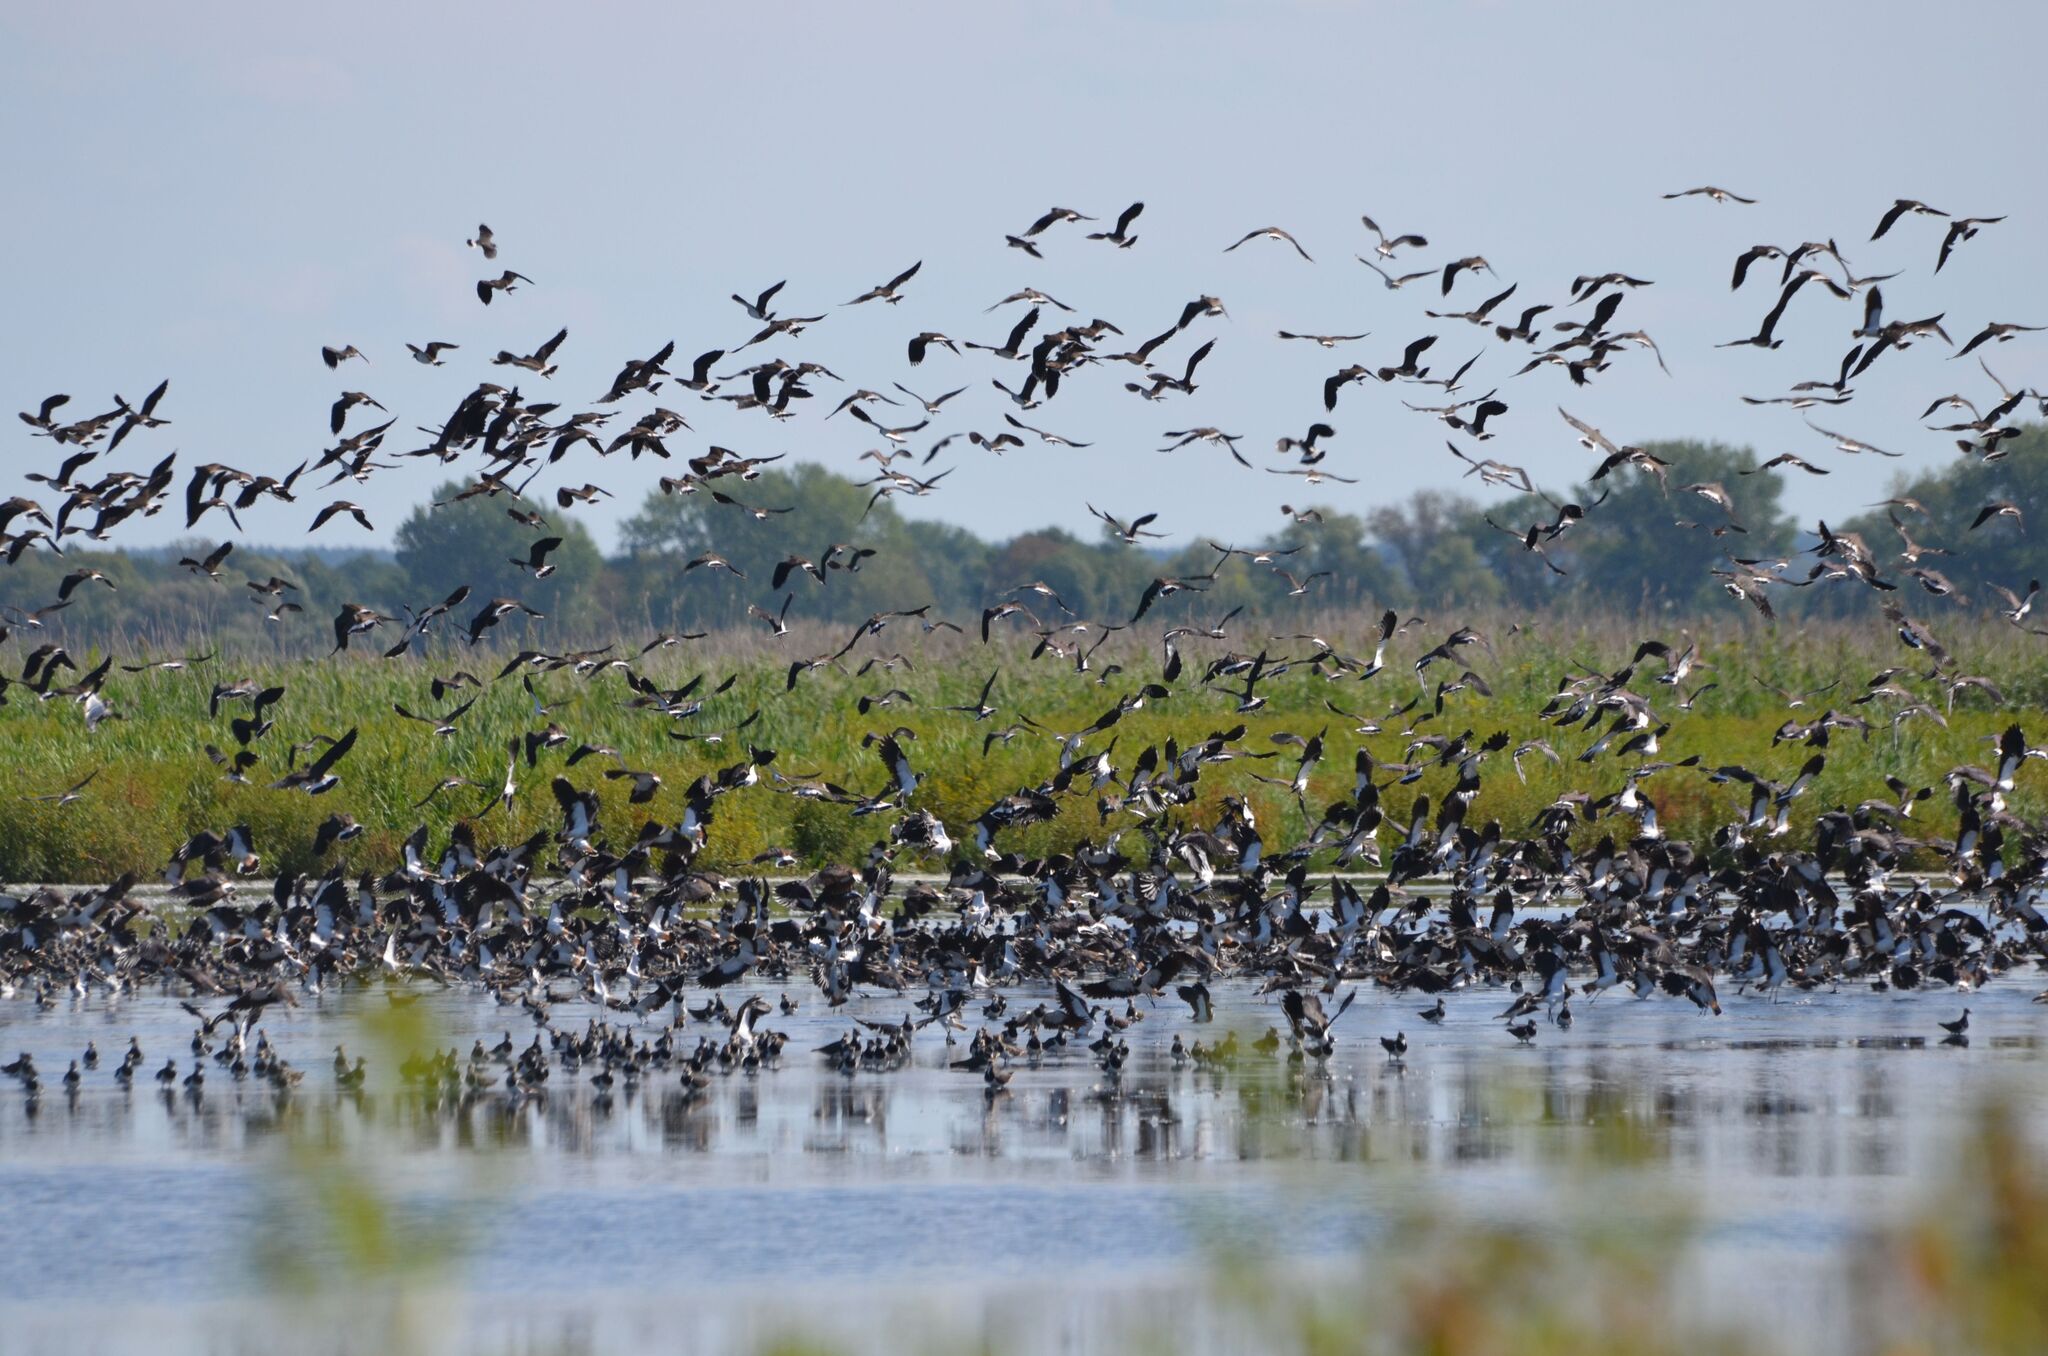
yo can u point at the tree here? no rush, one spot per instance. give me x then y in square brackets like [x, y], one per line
[1654, 549]
[1360, 577]
[824, 510]
[1651, 545]
[476, 542]
[1460, 575]
[150, 603]
[954, 561]
[1096, 581]
[2002, 551]
[1432, 540]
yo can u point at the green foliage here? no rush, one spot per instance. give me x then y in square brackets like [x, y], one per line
[1434, 554]
[1644, 548]
[1654, 553]
[824, 509]
[155, 787]
[2002, 551]
[475, 541]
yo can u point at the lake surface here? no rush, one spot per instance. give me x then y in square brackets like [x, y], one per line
[1070, 1212]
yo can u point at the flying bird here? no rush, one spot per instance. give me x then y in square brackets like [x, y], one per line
[353, 510]
[507, 281]
[1121, 236]
[888, 291]
[1269, 233]
[1709, 191]
[1900, 208]
[1959, 230]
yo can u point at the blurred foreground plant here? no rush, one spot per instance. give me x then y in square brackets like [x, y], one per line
[339, 1250]
[1970, 1273]
[1609, 1266]
[1605, 1270]
[1604, 1262]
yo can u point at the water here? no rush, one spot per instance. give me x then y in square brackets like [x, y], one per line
[1068, 1211]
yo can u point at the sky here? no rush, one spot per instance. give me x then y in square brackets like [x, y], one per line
[210, 193]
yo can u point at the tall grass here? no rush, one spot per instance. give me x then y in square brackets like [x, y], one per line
[154, 786]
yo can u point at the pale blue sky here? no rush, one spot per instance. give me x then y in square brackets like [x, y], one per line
[211, 192]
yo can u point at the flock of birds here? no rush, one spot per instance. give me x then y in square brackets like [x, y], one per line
[1180, 890]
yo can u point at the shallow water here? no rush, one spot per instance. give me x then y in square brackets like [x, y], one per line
[1061, 1213]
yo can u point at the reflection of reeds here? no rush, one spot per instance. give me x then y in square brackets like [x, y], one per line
[1603, 1269]
[1602, 1262]
[1592, 1274]
[156, 787]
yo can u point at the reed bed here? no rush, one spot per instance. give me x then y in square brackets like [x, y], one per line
[155, 787]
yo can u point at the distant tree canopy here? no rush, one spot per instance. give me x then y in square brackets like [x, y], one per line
[815, 510]
[1644, 545]
[2003, 551]
[476, 542]
[1641, 547]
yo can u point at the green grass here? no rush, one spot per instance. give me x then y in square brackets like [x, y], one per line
[155, 787]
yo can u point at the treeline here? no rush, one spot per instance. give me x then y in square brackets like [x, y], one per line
[1641, 548]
